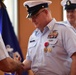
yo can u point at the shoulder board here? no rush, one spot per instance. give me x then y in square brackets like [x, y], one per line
[61, 23]
[34, 32]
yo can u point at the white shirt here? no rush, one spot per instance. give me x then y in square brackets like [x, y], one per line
[57, 61]
[3, 51]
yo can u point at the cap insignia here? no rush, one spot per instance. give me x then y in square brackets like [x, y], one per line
[42, 6]
[68, 2]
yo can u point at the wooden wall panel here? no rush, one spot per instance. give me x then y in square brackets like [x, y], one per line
[25, 27]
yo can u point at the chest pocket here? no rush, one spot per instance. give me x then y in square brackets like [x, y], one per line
[32, 49]
[32, 44]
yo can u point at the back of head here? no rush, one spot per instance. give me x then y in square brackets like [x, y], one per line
[33, 6]
[69, 4]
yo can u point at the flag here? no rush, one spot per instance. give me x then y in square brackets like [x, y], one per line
[0, 20]
[8, 34]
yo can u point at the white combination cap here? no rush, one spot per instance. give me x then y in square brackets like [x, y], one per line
[69, 4]
[33, 6]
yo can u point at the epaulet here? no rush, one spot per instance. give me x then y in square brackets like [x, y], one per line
[61, 23]
[34, 32]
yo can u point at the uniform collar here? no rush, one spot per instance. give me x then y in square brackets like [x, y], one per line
[38, 32]
[51, 24]
[69, 25]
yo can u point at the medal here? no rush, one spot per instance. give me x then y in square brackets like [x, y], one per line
[46, 44]
[45, 50]
[49, 49]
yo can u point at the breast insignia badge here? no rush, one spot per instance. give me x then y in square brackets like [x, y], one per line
[53, 34]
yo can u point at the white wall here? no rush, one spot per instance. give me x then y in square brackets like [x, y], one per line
[12, 11]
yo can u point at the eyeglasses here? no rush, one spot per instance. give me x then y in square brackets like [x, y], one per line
[36, 15]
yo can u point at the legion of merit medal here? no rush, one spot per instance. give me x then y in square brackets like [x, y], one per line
[46, 44]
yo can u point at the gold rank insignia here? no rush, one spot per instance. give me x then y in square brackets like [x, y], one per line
[53, 34]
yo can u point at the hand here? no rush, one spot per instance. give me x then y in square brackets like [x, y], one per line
[19, 71]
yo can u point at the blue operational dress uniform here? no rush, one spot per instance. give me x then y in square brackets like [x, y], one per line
[51, 51]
